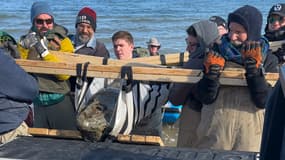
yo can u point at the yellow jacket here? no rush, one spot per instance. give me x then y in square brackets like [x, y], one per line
[65, 46]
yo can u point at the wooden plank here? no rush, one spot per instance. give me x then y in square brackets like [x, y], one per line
[55, 133]
[139, 139]
[232, 77]
[171, 59]
[73, 134]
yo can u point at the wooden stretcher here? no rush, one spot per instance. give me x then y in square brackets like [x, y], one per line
[232, 77]
[171, 59]
[73, 134]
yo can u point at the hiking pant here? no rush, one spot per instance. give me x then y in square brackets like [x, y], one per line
[232, 122]
[58, 116]
[22, 130]
[189, 121]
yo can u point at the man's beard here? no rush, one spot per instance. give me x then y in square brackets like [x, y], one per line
[83, 38]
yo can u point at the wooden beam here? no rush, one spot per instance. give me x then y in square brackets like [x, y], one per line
[232, 77]
[139, 139]
[74, 134]
[55, 133]
[170, 59]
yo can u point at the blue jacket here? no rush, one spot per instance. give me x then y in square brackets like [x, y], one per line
[17, 91]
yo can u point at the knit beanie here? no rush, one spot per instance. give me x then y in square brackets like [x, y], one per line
[250, 18]
[38, 8]
[86, 15]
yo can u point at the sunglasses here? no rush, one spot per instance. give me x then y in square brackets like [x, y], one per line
[276, 18]
[42, 21]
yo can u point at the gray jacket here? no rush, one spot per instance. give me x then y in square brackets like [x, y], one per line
[207, 33]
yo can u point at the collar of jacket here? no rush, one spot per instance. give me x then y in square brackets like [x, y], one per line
[91, 43]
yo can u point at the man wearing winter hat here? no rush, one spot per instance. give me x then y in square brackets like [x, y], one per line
[85, 41]
[232, 116]
[153, 46]
[275, 30]
[221, 23]
[53, 106]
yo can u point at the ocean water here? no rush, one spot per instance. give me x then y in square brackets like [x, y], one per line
[165, 19]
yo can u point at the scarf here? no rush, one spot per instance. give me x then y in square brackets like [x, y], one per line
[231, 53]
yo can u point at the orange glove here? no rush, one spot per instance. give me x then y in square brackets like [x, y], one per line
[252, 51]
[213, 60]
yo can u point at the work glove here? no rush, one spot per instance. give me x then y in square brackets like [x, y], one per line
[10, 49]
[213, 65]
[206, 90]
[258, 87]
[252, 57]
[31, 40]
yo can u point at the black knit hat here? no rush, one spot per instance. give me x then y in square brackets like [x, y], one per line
[250, 18]
[219, 21]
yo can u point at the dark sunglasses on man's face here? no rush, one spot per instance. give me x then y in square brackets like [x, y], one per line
[276, 18]
[42, 21]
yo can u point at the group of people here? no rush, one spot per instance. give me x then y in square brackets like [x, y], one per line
[49, 101]
[229, 117]
[213, 116]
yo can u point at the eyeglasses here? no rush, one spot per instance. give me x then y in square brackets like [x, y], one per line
[42, 21]
[191, 43]
[273, 19]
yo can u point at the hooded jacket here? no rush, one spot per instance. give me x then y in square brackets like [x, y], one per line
[207, 33]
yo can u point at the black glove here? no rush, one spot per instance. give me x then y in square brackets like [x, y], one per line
[31, 40]
[208, 87]
[257, 85]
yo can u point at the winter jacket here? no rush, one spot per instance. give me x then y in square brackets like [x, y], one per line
[52, 87]
[277, 37]
[207, 33]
